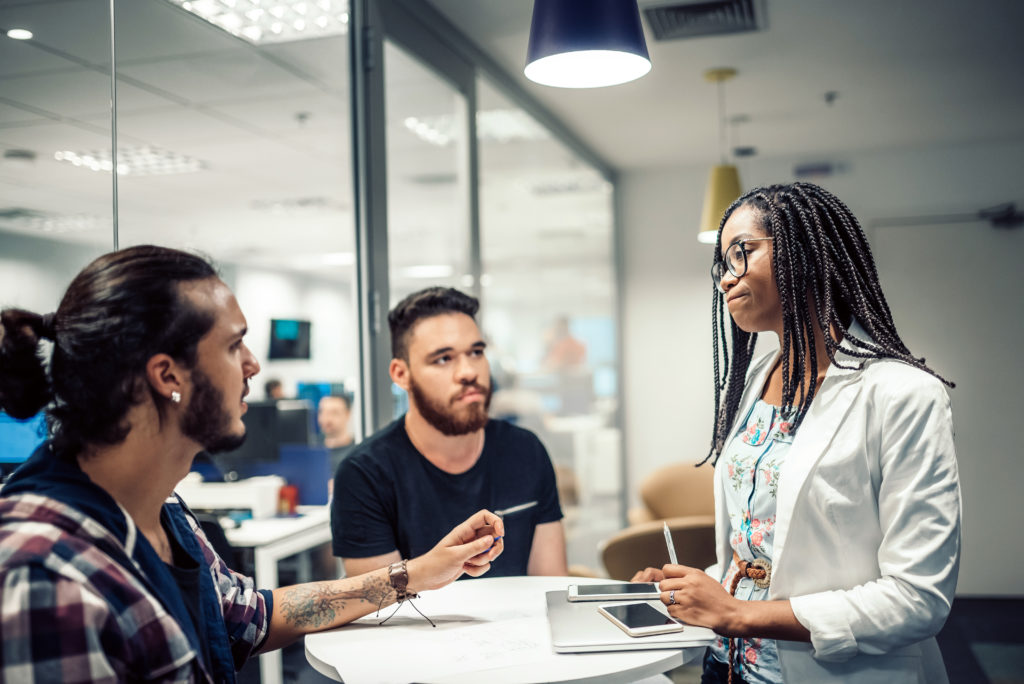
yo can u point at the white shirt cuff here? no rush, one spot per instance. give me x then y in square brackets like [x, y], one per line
[824, 616]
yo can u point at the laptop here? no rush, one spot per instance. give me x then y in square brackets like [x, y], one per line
[577, 627]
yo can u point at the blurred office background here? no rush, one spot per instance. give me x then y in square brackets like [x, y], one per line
[327, 188]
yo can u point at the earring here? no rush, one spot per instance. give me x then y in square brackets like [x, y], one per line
[176, 397]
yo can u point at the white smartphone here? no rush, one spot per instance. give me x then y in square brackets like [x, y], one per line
[639, 619]
[611, 592]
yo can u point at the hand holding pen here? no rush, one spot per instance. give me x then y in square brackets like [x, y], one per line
[668, 542]
[469, 548]
[658, 574]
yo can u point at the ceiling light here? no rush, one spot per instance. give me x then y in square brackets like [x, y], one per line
[494, 125]
[722, 190]
[507, 125]
[338, 259]
[724, 180]
[32, 220]
[135, 161]
[305, 206]
[586, 43]
[19, 34]
[437, 131]
[272, 21]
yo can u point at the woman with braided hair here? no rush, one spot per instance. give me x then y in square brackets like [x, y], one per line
[837, 498]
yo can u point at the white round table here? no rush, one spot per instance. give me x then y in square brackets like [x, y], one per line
[492, 629]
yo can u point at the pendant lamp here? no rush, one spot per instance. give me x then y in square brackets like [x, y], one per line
[724, 180]
[586, 43]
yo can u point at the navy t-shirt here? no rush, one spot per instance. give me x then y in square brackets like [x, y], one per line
[387, 496]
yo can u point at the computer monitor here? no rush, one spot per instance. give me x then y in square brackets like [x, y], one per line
[289, 339]
[19, 438]
[260, 432]
[295, 422]
[268, 426]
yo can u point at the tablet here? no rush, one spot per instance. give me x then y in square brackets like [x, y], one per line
[639, 619]
[612, 592]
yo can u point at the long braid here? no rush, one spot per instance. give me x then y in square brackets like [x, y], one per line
[742, 349]
[717, 322]
[819, 248]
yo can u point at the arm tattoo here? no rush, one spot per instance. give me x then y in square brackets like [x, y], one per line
[316, 605]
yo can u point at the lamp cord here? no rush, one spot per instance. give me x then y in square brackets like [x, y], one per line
[722, 142]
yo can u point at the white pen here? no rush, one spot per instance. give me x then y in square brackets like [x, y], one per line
[515, 509]
[671, 547]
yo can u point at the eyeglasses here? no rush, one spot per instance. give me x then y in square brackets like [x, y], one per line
[735, 260]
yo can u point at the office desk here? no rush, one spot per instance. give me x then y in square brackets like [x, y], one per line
[492, 630]
[272, 539]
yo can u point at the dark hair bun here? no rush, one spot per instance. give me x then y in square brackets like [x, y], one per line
[24, 388]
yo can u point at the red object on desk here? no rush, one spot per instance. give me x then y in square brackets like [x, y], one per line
[288, 500]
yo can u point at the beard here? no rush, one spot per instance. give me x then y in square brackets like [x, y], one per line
[442, 416]
[205, 420]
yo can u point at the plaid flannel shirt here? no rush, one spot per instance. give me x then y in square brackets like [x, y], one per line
[71, 612]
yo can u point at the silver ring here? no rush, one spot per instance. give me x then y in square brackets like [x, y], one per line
[672, 597]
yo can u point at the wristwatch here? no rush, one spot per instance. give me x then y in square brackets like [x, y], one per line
[398, 574]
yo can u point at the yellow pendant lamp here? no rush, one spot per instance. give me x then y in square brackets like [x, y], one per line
[724, 180]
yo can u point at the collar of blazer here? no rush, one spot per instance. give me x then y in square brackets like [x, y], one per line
[830, 406]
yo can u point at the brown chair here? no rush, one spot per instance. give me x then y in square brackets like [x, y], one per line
[641, 546]
[674, 491]
[682, 496]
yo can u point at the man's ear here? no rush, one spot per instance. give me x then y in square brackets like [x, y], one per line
[165, 375]
[399, 371]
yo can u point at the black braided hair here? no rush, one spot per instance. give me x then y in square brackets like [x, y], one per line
[819, 247]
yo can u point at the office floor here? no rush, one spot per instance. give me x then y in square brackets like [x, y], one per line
[982, 643]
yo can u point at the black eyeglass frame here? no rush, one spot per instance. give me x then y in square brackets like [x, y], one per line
[718, 269]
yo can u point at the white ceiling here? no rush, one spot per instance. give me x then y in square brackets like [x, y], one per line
[909, 73]
[271, 125]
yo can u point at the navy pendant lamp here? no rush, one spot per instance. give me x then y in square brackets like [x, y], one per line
[586, 43]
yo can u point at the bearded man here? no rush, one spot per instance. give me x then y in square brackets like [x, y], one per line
[400, 490]
[105, 573]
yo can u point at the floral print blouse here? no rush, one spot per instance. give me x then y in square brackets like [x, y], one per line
[752, 461]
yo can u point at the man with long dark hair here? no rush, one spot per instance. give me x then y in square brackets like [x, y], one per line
[104, 572]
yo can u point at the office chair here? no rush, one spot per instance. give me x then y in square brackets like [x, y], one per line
[211, 527]
[682, 496]
[641, 546]
[674, 491]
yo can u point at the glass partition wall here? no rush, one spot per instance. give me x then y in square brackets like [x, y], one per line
[233, 134]
[234, 139]
[427, 181]
[549, 308]
[55, 199]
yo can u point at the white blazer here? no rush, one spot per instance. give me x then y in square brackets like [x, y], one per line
[867, 533]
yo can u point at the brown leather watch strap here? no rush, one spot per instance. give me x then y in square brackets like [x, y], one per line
[398, 575]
